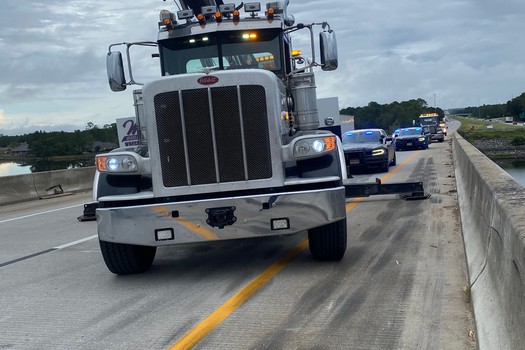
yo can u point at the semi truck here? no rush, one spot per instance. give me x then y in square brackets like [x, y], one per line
[431, 123]
[229, 145]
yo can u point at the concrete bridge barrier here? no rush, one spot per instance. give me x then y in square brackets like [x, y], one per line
[20, 188]
[493, 222]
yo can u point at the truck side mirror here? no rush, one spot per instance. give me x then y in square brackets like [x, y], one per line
[328, 50]
[115, 69]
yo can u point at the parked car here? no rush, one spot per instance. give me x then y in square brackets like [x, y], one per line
[412, 138]
[367, 149]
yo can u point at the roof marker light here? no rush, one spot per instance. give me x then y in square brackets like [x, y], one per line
[201, 18]
[270, 13]
[166, 18]
[236, 15]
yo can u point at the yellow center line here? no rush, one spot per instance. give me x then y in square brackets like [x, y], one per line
[393, 171]
[195, 335]
[201, 330]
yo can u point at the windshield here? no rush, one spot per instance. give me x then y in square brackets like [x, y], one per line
[428, 120]
[222, 50]
[412, 131]
[362, 137]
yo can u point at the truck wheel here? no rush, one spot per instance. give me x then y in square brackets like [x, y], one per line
[328, 242]
[125, 259]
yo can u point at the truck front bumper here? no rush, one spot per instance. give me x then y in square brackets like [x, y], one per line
[222, 218]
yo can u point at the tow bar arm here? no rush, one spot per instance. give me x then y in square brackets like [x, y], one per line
[407, 190]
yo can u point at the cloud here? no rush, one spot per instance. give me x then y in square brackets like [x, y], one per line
[3, 117]
[52, 54]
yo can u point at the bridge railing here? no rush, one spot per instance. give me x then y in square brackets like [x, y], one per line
[46, 184]
[493, 223]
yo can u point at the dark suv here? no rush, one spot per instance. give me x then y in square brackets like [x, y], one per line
[412, 138]
[368, 148]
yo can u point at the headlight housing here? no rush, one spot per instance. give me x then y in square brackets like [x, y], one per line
[378, 152]
[313, 146]
[119, 163]
[421, 139]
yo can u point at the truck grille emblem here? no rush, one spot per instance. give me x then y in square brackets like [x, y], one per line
[208, 80]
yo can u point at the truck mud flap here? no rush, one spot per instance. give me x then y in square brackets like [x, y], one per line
[89, 212]
[407, 190]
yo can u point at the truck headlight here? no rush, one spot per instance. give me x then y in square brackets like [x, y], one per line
[124, 163]
[421, 139]
[378, 152]
[308, 147]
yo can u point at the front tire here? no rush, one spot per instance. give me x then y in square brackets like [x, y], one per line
[328, 242]
[125, 259]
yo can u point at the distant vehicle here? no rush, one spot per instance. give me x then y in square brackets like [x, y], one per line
[412, 138]
[443, 127]
[429, 119]
[431, 123]
[368, 148]
[436, 133]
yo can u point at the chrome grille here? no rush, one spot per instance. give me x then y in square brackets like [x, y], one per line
[225, 130]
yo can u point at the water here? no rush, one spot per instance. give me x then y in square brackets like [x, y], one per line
[516, 170]
[12, 168]
[9, 168]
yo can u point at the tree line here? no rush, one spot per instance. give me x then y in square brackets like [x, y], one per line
[404, 114]
[390, 116]
[513, 108]
[60, 143]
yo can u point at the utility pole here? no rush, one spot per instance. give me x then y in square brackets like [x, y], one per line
[479, 117]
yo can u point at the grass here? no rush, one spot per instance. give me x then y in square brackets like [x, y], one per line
[467, 291]
[474, 129]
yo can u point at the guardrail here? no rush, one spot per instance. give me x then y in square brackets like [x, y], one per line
[46, 184]
[493, 223]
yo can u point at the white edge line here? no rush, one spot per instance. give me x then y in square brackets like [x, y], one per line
[44, 212]
[75, 242]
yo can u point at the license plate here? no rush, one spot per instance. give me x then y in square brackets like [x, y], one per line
[409, 143]
[354, 161]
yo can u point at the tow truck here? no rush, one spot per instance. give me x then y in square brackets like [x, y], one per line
[430, 123]
[229, 145]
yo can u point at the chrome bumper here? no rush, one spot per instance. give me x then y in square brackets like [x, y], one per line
[190, 221]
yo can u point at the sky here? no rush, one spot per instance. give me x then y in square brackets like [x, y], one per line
[451, 53]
